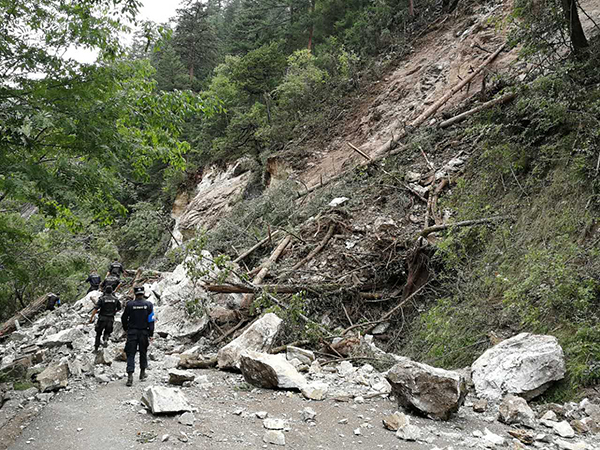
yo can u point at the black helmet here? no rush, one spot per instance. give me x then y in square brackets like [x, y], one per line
[108, 289]
[139, 290]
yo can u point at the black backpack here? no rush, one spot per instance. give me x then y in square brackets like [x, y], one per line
[116, 268]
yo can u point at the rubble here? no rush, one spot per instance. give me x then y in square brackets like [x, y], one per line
[525, 365]
[162, 400]
[258, 337]
[178, 377]
[274, 437]
[434, 392]
[54, 377]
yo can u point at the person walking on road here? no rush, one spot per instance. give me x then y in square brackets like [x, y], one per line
[106, 308]
[138, 322]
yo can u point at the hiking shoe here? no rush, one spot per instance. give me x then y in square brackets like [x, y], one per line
[105, 344]
[129, 379]
[143, 375]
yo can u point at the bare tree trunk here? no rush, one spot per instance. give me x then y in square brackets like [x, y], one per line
[577, 35]
[411, 8]
[312, 25]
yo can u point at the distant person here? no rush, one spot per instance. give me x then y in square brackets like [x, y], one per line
[115, 269]
[138, 321]
[106, 308]
[94, 280]
[112, 282]
[53, 301]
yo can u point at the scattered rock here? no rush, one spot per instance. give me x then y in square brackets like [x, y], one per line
[165, 438]
[526, 437]
[104, 357]
[580, 426]
[515, 411]
[274, 424]
[564, 429]
[492, 439]
[274, 437]
[434, 392]
[187, 418]
[308, 414]
[270, 371]
[409, 433]
[480, 405]
[525, 364]
[163, 400]
[549, 415]
[63, 337]
[262, 414]
[316, 390]
[395, 421]
[566, 445]
[178, 377]
[258, 337]
[338, 201]
[54, 378]
[304, 356]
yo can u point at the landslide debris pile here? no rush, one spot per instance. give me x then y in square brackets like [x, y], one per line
[53, 354]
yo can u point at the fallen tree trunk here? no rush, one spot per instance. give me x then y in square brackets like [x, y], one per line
[256, 247]
[487, 105]
[289, 289]
[317, 249]
[194, 362]
[28, 313]
[247, 300]
[467, 223]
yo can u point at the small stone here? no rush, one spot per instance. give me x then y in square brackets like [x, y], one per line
[549, 415]
[79, 429]
[493, 439]
[526, 437]
[480, 405]
[343, 421]
[477, 433]
[357, 432]
[274, 437]
[315, 391]
[274, 424]
[566, 445]
[187, 419]
[165, 438]
[395, 421]
[338, 201]
[179, 377]
[409, 433]
[359, 399]
[563, 429]
[580, 426]
[515, 410]
[308, 414]
[261, 414]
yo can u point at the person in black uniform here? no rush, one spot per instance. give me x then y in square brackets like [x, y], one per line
[53, 301]
[112, 282]
[138, 322]
[107, 307]
[94, 280]
[115, 269]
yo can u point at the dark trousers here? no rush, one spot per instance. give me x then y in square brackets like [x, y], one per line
[136, 340]
[93, 288]
[104, 325]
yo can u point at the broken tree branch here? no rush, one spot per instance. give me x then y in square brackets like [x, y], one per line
[487, 105]
[247, 300]
[466, 223]
[359, 151]
[318, 248]
[256, 247]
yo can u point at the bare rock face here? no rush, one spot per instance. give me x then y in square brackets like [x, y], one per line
[515, 410]
[258, 338]
[436, 393]
[270, 371]
[54, 378]
[525, 365]
[163, 400]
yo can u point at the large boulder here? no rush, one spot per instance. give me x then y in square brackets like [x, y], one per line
[436, 393]
[524, 365]
[54, 377]
[270, 371]
[163, 400]
[259, 338]
[63, 337]
[87, 302]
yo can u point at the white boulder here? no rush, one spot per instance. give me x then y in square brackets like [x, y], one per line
[270, 371]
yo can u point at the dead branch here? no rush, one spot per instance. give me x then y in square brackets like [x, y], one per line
[317, 249]
[256, 247]
[194, 362]
[487, 105]
[29, 312]
[359, 151]
[240, 324]
[466, 223]
[436, 194]
[283, 348]
[247, 300]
